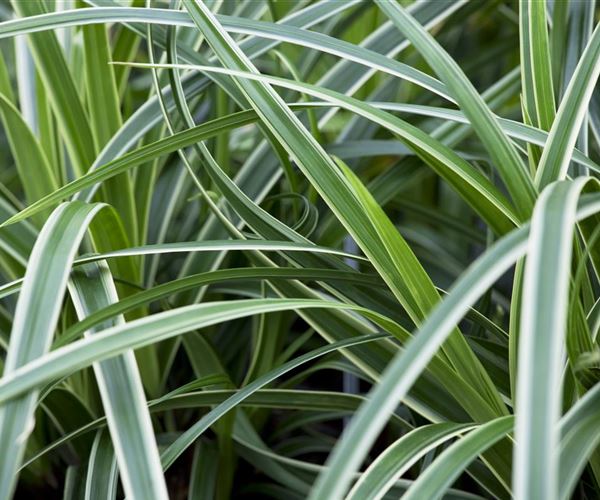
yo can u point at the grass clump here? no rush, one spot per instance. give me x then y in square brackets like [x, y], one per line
[299, 249]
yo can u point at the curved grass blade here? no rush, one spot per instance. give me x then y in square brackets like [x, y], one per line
[504, 155]
[445, 469]
[423, 291]
[570, 115]
[366, 59]
[278, 32]
[335, 189]
[302, 147]
[285, 399]
[473, 186]
[35, 172]
[150, 114]
[62, 92]
[579, 439]
[392, 463]
[121, 390]
[543, 326]
[537, 49]
[200, 246]
[102, 474]
[105, 119]
[139, 333]
[213, 128]
[34, 322]
[577, 26]
[412, 310]
[202, 279]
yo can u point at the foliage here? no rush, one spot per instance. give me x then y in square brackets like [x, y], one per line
[323, 249]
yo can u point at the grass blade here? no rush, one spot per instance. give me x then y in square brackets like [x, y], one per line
[34, 323]
[51, 64]
[121, 390]
[380, 476]
[440, 475]
[504, 155]
[102, 474]
[543, 323]
[570, 115]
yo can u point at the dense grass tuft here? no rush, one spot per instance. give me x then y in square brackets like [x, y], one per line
[299, 249]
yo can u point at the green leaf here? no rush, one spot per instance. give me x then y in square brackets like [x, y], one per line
[579, 439]
[445, 469]
[504, 155]
[392, 463]
[105, 119]
[543, 331]
[36, 175]
[121, 391]
[139, 333]
[62, 91]
[535, 47]
[420, 288]
[102, 474]
[194, 432]
[35, 319]
[570, 115]
[474, 187]
[202, 279]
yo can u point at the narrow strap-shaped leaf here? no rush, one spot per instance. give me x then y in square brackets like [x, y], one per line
[527, 78]
[470, 401]
[527, 91]
[34, 322]
[51, 64]
[579, 438]
[302, 147]
[578, 20]
[17, 241]
[308, 154]
[291, 34]
[212, 128]
[400, 456]
[445, 469]
[425, 294]
[35, 172]
[150, 113]
[504, 155]
[201, 279]
[575, 37]
[312, 401]
[570, 115]
[203, 473]
[422, 289]
[533, 21]
[200, 246]
[102, 474]
[473, 186]
[142, 332]
[105, 119]
[103, 102]
[121, 390]
[168, 324]
[74, 487]
[541, 342]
